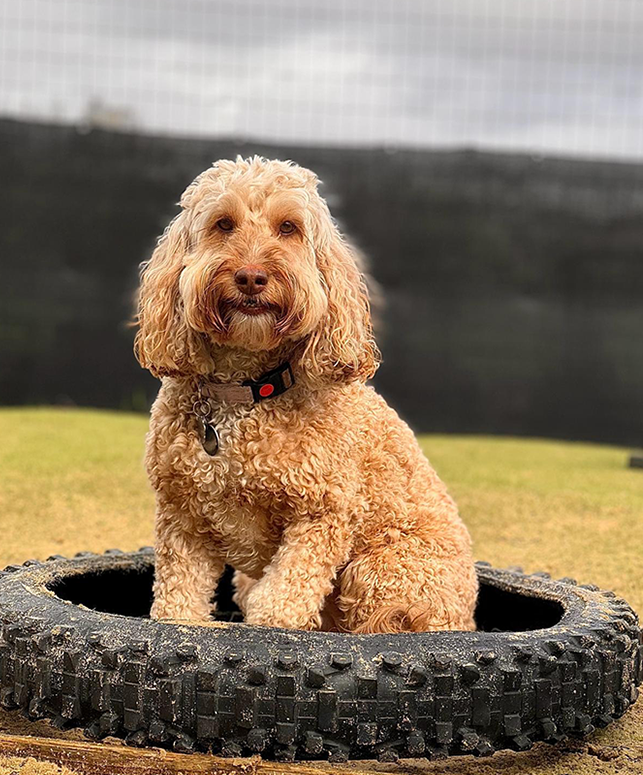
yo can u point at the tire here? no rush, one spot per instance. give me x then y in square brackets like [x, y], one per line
[563, 659]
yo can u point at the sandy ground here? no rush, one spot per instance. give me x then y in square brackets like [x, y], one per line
[73, 480]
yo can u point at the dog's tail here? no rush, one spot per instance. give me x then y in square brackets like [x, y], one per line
[416, 617]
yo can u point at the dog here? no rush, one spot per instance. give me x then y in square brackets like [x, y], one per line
[267, 450]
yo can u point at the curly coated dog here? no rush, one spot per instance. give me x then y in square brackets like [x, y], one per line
[267, 449]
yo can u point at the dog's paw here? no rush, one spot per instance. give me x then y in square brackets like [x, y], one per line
[288, 620]
[243, 586]
[179, 614]
[190, 622]
[269, 605]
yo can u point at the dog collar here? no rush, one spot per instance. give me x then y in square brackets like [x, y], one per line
[252, 391]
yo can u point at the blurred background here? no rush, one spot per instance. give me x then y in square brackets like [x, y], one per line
[487, 155]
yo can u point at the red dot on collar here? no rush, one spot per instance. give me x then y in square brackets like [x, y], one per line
[266, 390]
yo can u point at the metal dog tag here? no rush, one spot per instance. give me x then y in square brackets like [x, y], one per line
[209, 434]
[209, 438]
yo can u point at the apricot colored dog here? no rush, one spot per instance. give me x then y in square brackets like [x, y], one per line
[303, 478]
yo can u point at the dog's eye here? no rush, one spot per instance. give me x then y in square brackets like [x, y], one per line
[287, 227]
[225, 224]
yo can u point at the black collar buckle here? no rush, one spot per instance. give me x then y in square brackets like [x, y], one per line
[272, 384]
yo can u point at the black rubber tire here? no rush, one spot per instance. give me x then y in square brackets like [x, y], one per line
[238, 690]
[636, 461]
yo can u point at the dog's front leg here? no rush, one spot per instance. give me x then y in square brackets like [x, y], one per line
[293, 589]
[187, 570]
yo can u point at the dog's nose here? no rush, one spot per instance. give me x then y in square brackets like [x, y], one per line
[251, 280]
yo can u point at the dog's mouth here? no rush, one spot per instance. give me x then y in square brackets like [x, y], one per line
[254, 306]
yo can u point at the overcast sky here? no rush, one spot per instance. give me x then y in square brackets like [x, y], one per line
[545, 76]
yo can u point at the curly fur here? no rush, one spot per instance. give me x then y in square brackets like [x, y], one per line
[321, 498]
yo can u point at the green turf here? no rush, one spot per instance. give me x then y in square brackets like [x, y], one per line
[567, 508]
[73, 480]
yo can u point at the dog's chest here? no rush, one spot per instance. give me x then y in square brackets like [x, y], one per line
[238, 492]
[225, 474]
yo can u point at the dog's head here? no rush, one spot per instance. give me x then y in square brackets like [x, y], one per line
[254, 261]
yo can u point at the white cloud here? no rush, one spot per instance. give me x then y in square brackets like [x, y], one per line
[563, 76]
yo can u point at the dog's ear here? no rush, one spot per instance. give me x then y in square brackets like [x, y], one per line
[343, 346]
[164, 343]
